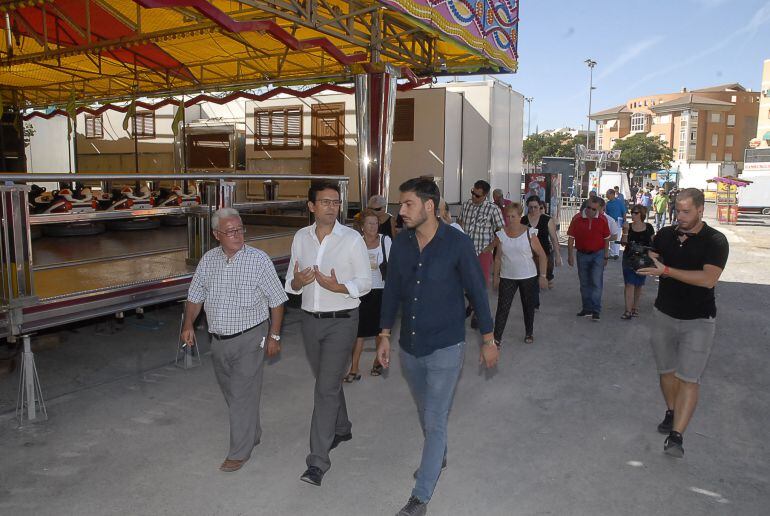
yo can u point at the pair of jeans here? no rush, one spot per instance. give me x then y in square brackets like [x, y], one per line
[528, 292]
[660, 220]
[432, 379]
[591, 273]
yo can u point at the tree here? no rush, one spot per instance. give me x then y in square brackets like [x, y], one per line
[642, 152]
[539, 145]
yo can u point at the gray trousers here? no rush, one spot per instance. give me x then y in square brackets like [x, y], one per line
[328, 344]
[238, 365]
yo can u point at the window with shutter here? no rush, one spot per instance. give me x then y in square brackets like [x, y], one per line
[144, 124]
[403, 121]
[94, 128]
[278, 128]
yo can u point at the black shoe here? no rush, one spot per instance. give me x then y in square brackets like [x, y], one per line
[443, 467]
[667, 424]
[584, 313]
[595, 317]
[673, 445]
[312, 475]
[340, 439]
[414, 507]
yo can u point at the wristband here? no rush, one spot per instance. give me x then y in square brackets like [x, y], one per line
[666, 271]
[383, 335]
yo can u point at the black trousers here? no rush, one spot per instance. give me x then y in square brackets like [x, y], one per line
[527, 292]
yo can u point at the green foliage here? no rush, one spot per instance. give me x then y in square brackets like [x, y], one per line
[539, 145]
[642, 152]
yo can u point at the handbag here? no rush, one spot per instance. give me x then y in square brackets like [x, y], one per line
[384, 264]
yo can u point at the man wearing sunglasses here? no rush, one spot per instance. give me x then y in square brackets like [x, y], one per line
[480, 219]
[329, 267]
[589, 234]
[242, 295]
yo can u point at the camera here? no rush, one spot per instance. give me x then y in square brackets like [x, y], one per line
[638, 257]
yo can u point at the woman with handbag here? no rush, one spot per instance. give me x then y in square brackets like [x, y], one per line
[515, 269]
[378, 247]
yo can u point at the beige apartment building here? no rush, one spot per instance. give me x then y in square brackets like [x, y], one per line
[709, 127]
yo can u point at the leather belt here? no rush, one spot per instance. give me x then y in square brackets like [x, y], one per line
[339, 314]
[227, 337]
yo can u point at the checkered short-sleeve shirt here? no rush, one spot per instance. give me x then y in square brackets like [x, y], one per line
[480, 222]
[236, 293]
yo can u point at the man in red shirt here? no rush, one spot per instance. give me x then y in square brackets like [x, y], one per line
[589, 234]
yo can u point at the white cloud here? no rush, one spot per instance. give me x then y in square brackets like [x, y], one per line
[628, 54]
[758, 21]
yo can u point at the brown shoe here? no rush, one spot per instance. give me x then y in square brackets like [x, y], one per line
[230, 465]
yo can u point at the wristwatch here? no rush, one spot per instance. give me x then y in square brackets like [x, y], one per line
[275, 337]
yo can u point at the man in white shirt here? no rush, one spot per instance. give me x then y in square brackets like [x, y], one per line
[239, 287]
[614, 230]
[329, 267]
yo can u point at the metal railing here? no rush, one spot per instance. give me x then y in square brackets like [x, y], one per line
[568, 208]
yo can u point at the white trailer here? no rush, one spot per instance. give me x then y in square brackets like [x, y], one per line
[755, 198]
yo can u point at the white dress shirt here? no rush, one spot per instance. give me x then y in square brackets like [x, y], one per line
[342, 250]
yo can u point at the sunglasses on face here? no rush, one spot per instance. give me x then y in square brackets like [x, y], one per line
[635, 212]
[592, 209]
[476, 195]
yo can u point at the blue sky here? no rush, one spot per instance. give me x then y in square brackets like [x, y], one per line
[641, 47]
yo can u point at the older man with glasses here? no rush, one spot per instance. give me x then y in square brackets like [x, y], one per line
[589, 233]
[240, 291]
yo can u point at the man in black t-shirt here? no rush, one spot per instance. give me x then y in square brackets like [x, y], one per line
[689, 259]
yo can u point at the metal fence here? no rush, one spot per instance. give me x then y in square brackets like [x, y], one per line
[568, 208]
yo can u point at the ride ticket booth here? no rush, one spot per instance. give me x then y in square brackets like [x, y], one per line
[727, 198]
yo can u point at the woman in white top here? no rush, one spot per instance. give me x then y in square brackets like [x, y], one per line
[378, 247]
[515, 270]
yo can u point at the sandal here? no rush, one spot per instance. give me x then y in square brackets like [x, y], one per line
[634, 312]
[351, 377]
[376, 370]
[626, 315]
[529, 339]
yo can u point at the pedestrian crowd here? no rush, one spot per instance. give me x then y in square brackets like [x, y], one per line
[433, 273]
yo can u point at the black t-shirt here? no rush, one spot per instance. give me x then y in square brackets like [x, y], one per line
[542, 231]
[681, 300]
[643, 237]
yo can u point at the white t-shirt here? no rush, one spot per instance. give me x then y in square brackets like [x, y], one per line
[517, 262]
[375, 259]
[614, 228]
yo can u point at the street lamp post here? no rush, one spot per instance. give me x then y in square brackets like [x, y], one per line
[529, 112]
[591, 63]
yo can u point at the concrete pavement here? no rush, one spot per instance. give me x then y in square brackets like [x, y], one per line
[565, 426]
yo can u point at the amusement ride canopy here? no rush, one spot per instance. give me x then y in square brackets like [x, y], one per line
[53, 52]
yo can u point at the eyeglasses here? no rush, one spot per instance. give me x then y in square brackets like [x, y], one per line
[592, 209]
[635, 212]
[328, 202]
[534, 207]
[476, 195]
[377, 209]
[232, 233]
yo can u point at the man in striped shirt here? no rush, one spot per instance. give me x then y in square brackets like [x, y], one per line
[240, 291]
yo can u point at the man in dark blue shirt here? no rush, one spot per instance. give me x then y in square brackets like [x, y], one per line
[430, 268]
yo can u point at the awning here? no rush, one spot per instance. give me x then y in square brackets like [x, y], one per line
[98, 50]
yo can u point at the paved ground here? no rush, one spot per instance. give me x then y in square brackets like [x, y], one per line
[564, 427]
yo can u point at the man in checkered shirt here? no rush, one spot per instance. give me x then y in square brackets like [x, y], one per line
[240, 291]
[480, 220]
